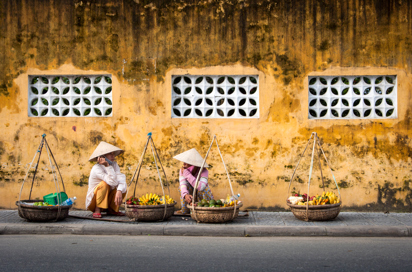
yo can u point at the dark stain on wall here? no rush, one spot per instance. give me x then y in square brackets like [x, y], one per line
[344, 184]
[95, 137]
[2, 150]
[378, 145]
[388, 199]
[82, 181]
[243, 30]
[3, 90]
[288, 66]
[243, 182]
[326, 183]
[387, 196]
[101, 34]
[383, 11]
[324, 45]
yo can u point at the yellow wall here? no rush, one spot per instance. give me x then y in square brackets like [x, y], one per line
[143, 43]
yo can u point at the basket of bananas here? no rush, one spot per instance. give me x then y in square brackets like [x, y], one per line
[216, 211]
[322, 207]
[150, 207]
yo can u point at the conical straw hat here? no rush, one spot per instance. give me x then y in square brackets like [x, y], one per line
[105, 148]
[191, 157]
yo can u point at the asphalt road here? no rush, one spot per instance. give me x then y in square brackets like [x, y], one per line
[159, 253]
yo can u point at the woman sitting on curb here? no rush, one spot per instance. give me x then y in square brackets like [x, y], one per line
[107, 186]
[192, 161]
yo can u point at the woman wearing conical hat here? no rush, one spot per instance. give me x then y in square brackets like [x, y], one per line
[107, 186]
[192, 161]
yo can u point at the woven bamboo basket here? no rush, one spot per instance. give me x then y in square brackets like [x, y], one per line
[42, 213]
[316, 212]
[149, 213]
[214, 215]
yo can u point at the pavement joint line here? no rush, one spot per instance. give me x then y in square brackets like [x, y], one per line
[394, 217]
[409, 231]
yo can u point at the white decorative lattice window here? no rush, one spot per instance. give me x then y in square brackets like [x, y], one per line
[70, 96]
[352, 97]
[215, 96]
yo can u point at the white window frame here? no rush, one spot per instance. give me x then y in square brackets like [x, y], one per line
[70, 96]
[355, 96]
[237, 96]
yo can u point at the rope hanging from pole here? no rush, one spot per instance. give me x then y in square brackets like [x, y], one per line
[53, 167]
[156, 159]
[317, 148]
[198, 178]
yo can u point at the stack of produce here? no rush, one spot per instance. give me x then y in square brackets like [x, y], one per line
[149, 199]
[40, 204]
[324, 199]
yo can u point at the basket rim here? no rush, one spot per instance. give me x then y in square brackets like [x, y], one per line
[21, 205]
[314, 207]
[151, 206]
[215, 208]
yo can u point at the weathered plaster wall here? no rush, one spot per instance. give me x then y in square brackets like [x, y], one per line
[143, 43]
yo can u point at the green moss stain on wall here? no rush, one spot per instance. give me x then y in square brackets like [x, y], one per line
[139, 39]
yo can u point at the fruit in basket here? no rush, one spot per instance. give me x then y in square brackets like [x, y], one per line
[154, 199]
[132, 201]
[324, 199]
[221, 203]
[41, 204]
[149, 199]
[333, 199]
[169, 200]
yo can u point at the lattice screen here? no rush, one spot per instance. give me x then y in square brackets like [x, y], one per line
[352, 97]
[215, 96]
[70, 96]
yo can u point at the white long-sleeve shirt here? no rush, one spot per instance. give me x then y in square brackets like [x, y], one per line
[111, 175]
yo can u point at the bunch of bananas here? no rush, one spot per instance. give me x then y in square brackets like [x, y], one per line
[231, 203]
[149, 199]
[169, 200]
[333, 199]
[154, 199]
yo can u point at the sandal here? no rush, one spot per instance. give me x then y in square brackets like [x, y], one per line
[179, 212]
[97, 215]
[115, 213]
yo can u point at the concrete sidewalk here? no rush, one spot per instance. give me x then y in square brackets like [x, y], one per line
[347, 224]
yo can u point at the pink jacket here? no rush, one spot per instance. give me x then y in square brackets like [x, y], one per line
[186, 179]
